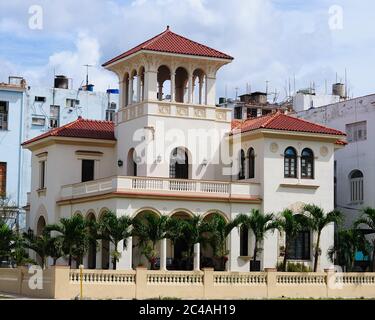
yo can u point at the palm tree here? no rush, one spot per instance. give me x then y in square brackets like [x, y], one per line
[114, 229]
[317, 220]
[149, 229]
[220, 229]
[259, 224]
[75, 238]
[39, 244]
[195, 230]
[367, 218]
[7, 240]
[347, 243]
[291, 224]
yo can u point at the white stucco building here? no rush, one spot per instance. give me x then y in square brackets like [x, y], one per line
[171, 151]
[28, 111]
[354, 165]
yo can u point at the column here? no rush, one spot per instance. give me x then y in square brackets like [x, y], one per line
[163, 254]
[86, 261]
[197, 252]
[125, 262]
[150, 85]
[210, 91]
[160, 92]
[130, 91]
[200, 90]
[122, 94]
[138, 88]
[173, 87]
[111, 249]
[190, 89]
[99, 255]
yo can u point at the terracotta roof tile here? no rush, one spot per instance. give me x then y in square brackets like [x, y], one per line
[170, 42]
[81, 128]
[280, 121]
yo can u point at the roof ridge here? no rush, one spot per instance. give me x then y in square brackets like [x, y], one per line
[153, 39]
[272, 118]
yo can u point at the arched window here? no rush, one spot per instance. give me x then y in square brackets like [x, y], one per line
[132, 164]
[307, 164]
[290, 163]
[244, 241]
[251, 156]
[179, 164]
[356, 186]
[241, 174]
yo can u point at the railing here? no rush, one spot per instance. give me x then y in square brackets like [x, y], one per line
[177, 278]
[245, 278]
[102, 276]
[358, 279]
[220, 189]
[301, 278]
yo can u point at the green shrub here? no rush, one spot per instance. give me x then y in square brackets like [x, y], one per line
[294, 267]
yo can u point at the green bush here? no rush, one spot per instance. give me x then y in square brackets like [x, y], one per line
[294, 267]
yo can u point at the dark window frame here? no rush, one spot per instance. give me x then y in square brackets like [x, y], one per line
[241, 174]
[307, 164]
[87, 170]
[244, 241]
[3, 180]
[290, 163]
[251, 161]
[179, 170]
[304, 237]
[42, 175]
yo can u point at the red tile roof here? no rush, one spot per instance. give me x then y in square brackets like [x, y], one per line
[170, 42]
[280, 121]
[81, 128]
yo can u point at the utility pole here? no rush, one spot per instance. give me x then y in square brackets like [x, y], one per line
[87, 73]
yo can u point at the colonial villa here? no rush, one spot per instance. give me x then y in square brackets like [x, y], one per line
[172, 151]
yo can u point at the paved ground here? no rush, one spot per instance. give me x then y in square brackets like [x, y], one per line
[14, 296]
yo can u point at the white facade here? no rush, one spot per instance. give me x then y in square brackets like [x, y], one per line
[151, 128]
[29, 115]
[305, 101]
[355, 117]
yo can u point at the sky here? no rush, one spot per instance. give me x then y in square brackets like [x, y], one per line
[271, 40]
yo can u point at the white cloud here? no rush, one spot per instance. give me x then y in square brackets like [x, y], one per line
[270, 40]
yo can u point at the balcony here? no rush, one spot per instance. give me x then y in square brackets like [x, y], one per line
[164, 187]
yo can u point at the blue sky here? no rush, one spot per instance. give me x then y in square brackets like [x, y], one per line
[270, 39]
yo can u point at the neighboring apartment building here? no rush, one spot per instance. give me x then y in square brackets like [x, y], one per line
[173, 152]
[26, 112]
[354, 165]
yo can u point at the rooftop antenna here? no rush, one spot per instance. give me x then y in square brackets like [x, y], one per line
[236, 88]
[267, 82]
[326, 86]
[294, 83]
[346, 85]
[87, 73]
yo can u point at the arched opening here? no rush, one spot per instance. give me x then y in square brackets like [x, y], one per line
[356, 186]
[141, 90]
[199, 86]
[251, 159]
[179, 164]
[307, 164]
[91, 255]
[133, 87]
[299, 247]
[40, 226]
[131, 163]
[142, 248]
[290, 163]
[182, 77]
[164, 83]
[125, 87]
[241, 174]
[177, 254]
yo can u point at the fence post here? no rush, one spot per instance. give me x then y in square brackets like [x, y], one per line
[271, 281]
[208, 282]
[141, 283]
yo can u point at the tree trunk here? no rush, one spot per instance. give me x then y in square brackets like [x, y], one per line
[255, 250]
[285, 257]
[70, 260]
[114, 259]
[317, 253]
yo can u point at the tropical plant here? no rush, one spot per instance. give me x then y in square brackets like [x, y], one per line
[74, 235]
[291, 224]
[317, 220]
[347, 243]
[7, 240]
[293, 267]
[367, 219]
[220, 229]
[260, 224]
[19, 254]
[113, 229]
[150, 228]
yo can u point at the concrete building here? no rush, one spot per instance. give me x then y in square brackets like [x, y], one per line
[171, 151]
[26, 112]
[354, 165]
